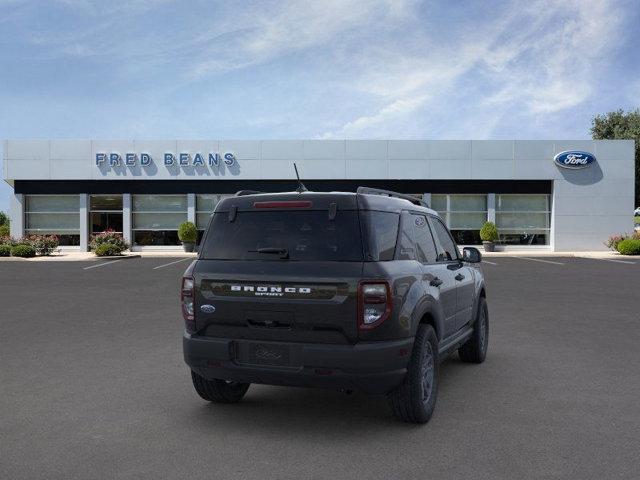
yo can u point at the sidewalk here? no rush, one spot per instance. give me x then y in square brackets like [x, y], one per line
[548, 253]
[72, 255]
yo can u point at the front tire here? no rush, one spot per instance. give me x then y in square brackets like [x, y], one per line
[218, 391]
[475, 349]
[415, 400]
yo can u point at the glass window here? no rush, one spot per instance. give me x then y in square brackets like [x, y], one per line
[105, 203]
[54, 215]
[156, 218]
[447, 250]
[523, 219]
[381, 230]
[304, 234]
[424, 240]
[205, 205]
[406, 240]
[463, 214]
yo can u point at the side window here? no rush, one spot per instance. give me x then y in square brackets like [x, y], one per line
[381, 233]
[426, 249]
[447, 250]
[406, 241]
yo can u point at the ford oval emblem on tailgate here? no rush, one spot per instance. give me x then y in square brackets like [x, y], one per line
[207, 308]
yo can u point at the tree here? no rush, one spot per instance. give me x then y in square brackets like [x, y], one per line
[620, 125]
[4, 218]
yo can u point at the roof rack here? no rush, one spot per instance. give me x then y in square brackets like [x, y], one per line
[242, 193]
[389, 193]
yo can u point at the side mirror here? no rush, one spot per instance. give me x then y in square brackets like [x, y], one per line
[471, 255]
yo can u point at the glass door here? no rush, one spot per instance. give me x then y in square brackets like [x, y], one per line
[106, 213]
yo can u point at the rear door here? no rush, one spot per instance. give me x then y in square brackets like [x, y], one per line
[280, 274]
[463, 276]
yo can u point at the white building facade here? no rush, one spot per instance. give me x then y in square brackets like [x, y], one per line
[553, 195]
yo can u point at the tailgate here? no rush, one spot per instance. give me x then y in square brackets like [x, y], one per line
[288, 301]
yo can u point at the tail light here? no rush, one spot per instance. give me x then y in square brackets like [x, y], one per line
[374, 304]
[186, 299]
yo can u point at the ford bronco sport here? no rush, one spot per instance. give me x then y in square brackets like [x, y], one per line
[355, 291]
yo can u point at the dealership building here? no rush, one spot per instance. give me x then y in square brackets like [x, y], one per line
[548, 194]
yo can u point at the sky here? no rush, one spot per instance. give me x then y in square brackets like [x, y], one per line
[286, 69]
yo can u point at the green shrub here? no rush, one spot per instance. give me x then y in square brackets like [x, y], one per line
[5, 250]
[4, 219]
[23, 250]
[613, 241]
[4, 231]
[187, 232]
[108, 250]
[636, 220]
[44, 244]
[629, 246]
[489, 232]
[108, 237]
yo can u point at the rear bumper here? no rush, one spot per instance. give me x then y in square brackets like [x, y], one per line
[372, 367]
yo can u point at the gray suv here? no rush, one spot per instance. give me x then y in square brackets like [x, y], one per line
[356, 291]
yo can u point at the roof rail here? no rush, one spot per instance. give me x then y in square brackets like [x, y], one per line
[389, 193]
[242, 193]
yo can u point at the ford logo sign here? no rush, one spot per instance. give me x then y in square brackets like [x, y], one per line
[574, 159]
[207, 308]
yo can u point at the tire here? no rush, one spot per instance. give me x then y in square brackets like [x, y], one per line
[415, 400]
[475, 349]
[219, 391]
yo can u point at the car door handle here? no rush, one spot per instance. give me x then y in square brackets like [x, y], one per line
[436, 282]
[459, 277]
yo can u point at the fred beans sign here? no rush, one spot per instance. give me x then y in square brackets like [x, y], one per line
[169, 159]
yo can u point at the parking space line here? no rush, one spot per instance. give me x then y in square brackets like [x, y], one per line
[612, 260]
[172, 263]
[487, 261]
[102, 264]
[540, 260]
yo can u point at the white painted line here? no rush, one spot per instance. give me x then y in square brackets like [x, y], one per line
[102, 264]
[612, 260]
[172, 263]
[487, 261]
[539, 260]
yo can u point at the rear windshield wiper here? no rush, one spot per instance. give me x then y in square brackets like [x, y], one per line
[283, 252]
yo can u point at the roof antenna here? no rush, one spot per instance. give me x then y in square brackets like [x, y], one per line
[301, 188]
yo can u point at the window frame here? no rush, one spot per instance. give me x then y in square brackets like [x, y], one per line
[439, 246]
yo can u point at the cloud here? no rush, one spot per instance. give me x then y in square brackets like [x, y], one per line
[541, 58]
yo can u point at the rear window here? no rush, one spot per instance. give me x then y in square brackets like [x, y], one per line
[304, 234]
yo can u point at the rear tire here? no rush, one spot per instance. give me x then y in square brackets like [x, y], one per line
[475, 349]
[219, 391]
[415, 400]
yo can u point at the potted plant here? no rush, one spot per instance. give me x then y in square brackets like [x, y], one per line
[188, 235]
[489, 236]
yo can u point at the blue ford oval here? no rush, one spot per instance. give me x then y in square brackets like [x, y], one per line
[574, 159]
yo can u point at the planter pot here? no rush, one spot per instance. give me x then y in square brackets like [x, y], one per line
[489, 246]
[188, 246]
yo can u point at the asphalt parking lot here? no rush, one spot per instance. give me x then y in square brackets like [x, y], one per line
[92, 385]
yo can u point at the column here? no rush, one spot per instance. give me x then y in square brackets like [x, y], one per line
[84, 222]
[17, 215]
[426, 198]
[491, 207]
[126, 219]
[191, 207]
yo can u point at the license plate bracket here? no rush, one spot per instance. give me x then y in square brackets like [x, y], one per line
[266, 354]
